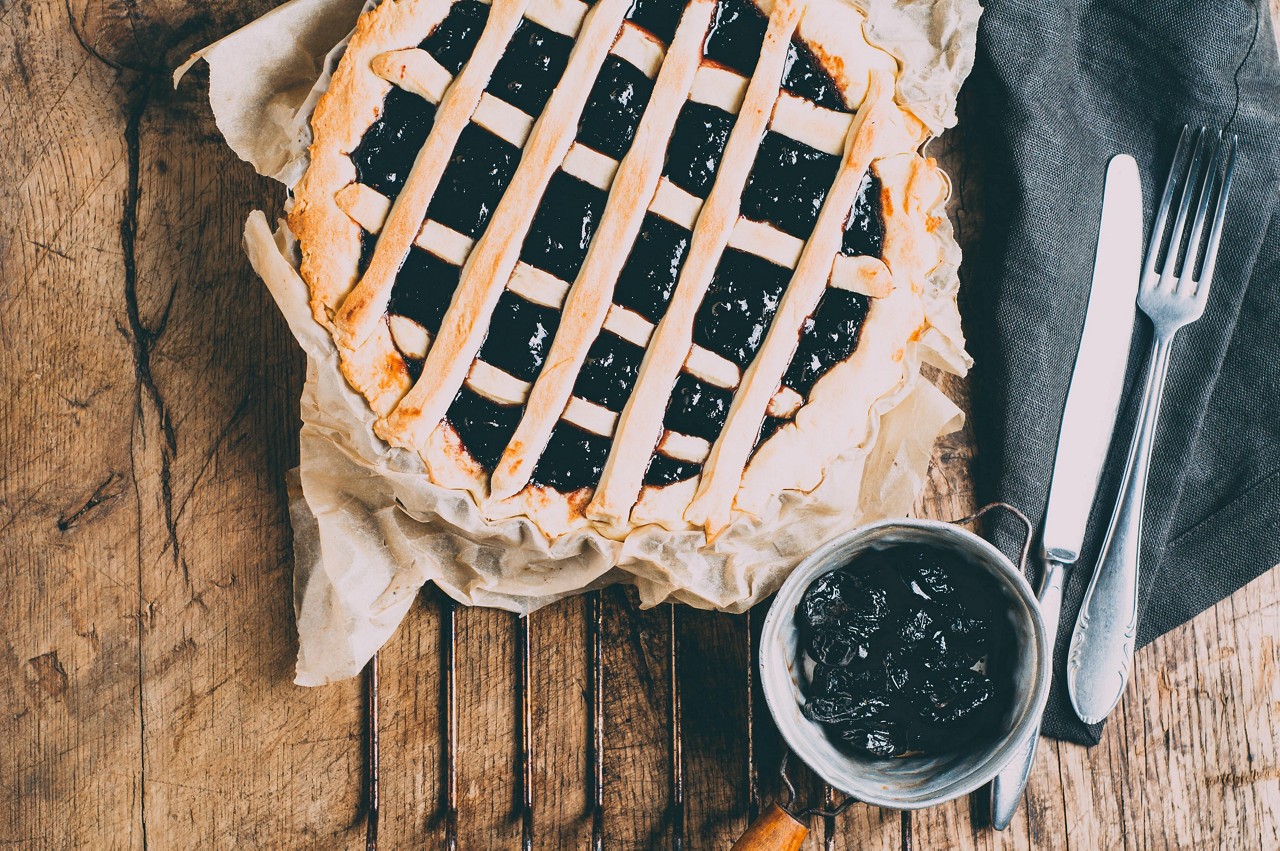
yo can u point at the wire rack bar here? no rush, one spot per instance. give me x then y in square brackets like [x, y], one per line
[449, 647]
[523, 663]
[677, 737]
[595, 649]
[371, 755]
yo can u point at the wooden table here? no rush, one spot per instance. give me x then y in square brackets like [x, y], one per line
[146, 635]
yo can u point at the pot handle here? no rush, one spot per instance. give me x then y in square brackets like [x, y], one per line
[1026, 541]
[775, 830]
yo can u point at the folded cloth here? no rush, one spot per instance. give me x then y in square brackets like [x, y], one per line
[1057, 90]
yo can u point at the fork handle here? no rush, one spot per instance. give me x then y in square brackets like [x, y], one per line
[1101, 652]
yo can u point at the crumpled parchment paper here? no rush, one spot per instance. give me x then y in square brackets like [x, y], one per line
[370, 530]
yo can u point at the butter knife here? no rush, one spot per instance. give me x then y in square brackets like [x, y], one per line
[1093, 401]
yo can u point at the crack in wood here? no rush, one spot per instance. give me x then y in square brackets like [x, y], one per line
[104, 493]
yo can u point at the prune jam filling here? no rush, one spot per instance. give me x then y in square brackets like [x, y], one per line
[788, 184]
[737, 31]
[609, 371]
[913, 654]
[827, 337]
[805, 77]
[531, 67]
[659, 17]
[452, 42]
[368, 242]
[391, 144]
[478, 172]
[614, 107]
[519, 336]
[696, 146]
[739, 305]
[864, 232]
[423, 289]
[484, 426]
[649, 276]
[697, 408]
[573, 459]
[562, 227]
[769, 428]
[667, 471]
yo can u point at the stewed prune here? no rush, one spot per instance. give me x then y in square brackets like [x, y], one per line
[910, 653]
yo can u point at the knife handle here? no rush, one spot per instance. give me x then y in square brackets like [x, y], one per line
[1007, 787]
[1101, 654]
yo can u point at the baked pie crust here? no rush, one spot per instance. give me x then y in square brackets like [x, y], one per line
[821, 307]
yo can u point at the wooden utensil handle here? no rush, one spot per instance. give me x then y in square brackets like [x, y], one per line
[775, 830]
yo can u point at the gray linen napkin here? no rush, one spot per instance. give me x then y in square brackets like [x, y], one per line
[1059, 87]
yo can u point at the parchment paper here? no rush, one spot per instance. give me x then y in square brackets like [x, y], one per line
[369, 529]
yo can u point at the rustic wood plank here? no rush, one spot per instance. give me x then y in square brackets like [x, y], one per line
[71, 612]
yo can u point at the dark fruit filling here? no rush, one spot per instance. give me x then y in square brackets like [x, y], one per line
[806, 78]
[614, 107]
[423, 289]
[697, 408]
[649, 277]
[788, 184]
[666, 471]
[739, 305]
[391, 144]
[484, 426]
[609, 372]
[828, 336]
[561, 230]
[697, 143]
[519, 336]
[473, 182]
[452, 42]
[573, 459]
[531, 67]
[737, 31]
[659, 17]
[913, 656]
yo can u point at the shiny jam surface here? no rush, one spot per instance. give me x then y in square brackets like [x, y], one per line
[829, 336]
[573, 459]
[519, 336]
[737, 31]
[912, 652]
[484, 426]
[659, 17]
[648, 278]
[788, 184]
[528, 71]
[806, 78]
[391, 144]
[697, 144]
[739, 305]
[452, 43]
[614, 107]
[561, 230]
[609, 372]
[474, 181]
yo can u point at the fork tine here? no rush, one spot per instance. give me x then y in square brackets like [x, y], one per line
[1184, 204]
[1187, 279]
[1219, 214]
[1162, 212]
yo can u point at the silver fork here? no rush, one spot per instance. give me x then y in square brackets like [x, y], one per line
[1101, 653]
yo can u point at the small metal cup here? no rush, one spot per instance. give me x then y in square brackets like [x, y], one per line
[905, 783]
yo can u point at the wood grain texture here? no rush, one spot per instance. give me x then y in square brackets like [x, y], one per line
[148, 417]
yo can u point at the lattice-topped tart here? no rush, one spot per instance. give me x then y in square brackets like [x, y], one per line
[625, 263]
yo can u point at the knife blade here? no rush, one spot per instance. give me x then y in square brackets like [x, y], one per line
[1088, 419]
